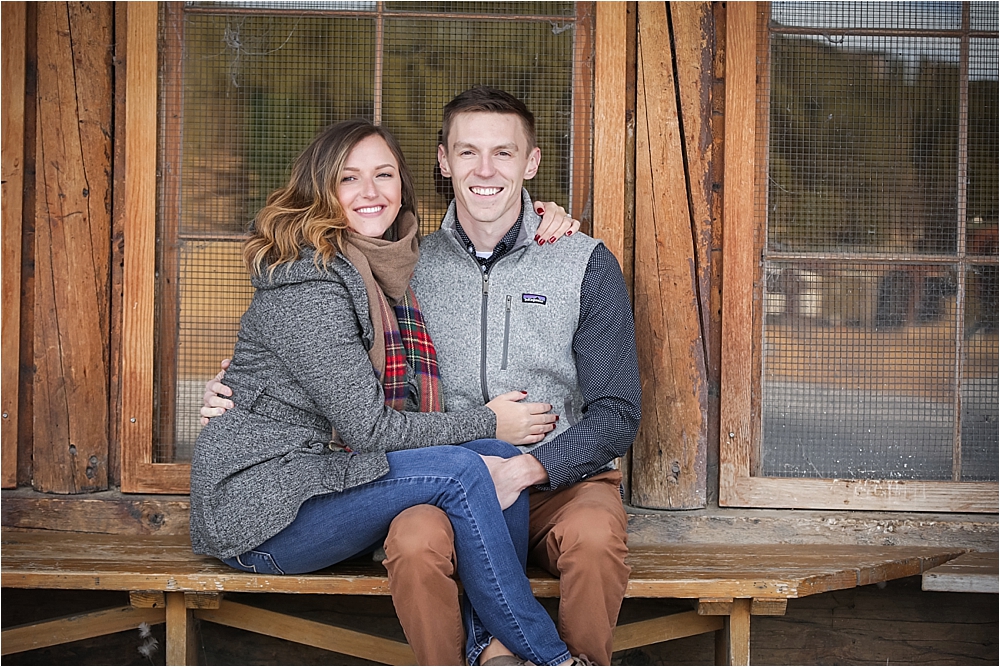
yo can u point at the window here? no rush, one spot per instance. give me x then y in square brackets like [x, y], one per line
[860, 302]
[236, 90]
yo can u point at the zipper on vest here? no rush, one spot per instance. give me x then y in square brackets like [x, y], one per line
[506, 333]
[482, 337]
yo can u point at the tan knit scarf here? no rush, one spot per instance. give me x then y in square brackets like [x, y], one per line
[386, 267]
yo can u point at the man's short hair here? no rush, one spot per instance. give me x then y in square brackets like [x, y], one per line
[488, 100]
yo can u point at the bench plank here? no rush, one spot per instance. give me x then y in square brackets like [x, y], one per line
[40, 559]
[733, 581]
[974, 572]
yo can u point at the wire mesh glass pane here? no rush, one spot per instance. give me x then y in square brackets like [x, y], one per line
[858, 371]
[881, 149]
[885, 15]
[512, 8]
[432, 61]
[863, 146]
[979, 386]
[245, 86]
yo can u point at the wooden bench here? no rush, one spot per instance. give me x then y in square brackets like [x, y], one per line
[728, 584]
[974, 572]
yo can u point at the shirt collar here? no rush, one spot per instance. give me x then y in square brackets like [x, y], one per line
[504, 246]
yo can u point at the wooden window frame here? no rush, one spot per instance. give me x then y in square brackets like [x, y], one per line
[738, 487]
[140, 472]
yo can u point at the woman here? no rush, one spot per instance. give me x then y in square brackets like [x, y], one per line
[330, 257]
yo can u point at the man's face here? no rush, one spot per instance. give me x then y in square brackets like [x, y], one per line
[488, 159]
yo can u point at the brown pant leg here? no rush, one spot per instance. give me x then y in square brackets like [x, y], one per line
[421, 564]
[579, 534]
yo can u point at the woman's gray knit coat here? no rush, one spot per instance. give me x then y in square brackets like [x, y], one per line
[301, 369]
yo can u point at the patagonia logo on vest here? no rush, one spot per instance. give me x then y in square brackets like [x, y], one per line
[533, 298]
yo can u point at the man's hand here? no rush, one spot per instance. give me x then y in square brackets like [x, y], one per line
[513, 475]
[212, 402]
[555, 224]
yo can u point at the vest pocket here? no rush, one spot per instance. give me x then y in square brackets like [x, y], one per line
[506, 333]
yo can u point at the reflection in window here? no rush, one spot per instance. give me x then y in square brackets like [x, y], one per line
[879, 348]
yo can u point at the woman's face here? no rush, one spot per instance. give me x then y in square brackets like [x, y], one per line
[370, 190]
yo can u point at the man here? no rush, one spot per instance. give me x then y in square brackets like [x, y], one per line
[507, 311]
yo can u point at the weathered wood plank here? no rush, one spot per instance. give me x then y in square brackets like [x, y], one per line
[182, 644]
[311, 633]
[670, 451]
[692, 32]
[14, 26]
[738, 634]
[974, 572]
[609, 124]
[76, 627]
[136, 429]
[581, 194]
[26, 356]
[103, 513]
[71, 260]
[735, 416]
[664, 628]
[117, 247]
[41, 559]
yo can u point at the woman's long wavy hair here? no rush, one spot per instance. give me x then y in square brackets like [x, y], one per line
[305, 213]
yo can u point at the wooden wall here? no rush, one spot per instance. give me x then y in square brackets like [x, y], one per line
[60, 214]
[64, 215]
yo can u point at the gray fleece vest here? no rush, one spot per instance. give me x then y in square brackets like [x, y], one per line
[511, 329]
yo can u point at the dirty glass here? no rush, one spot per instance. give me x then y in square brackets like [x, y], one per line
[878, 343]
[244, 86]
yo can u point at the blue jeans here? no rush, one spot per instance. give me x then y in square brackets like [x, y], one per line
[337, 526]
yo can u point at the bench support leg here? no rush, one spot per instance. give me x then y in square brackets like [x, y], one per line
[732, 643]
[182, 640]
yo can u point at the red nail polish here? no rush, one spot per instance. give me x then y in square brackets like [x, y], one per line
[557, 417]
[541, 241]
[552, 240]
[536, 238]
[569, 233]
[524, 392]
[539, 211]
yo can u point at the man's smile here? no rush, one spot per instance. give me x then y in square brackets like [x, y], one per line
[484, 191]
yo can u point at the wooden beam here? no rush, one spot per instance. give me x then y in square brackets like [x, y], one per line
[581, 131]
[609, 125]
[72, 259]
[664, 628]
[136, 429]
[14, 26]
[108, 512]
[737, 633]
[76, 627]
[669, 455]
[311, 633]
[736, 415]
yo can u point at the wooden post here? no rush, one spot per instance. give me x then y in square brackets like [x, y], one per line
[668, 459]
[609, 126]
[182, 645]
[12, 88]
[72, 212]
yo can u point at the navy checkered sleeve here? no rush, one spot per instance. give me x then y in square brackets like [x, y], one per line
[608, 371]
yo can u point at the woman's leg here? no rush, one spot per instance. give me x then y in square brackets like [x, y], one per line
[333, 527]
[516, 517]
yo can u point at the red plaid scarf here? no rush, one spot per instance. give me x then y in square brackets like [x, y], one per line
[406, 338]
